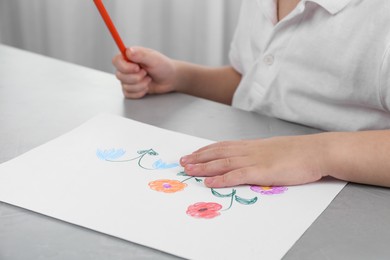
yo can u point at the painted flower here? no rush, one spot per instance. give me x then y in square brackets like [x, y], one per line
[269, 190]
[167, 186]
[162, 165]
[110, 154]
[205, 210]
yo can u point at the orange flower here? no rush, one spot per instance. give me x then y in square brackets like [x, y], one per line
[167, 186]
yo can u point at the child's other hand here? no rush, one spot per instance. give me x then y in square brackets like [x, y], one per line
[148, 72]
[266, 162]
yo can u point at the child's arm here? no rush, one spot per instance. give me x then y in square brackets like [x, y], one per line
[150, 72]
[362, 157]
[217, 84]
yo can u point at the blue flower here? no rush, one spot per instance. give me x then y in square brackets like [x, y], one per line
[162, 165]
[111, 154]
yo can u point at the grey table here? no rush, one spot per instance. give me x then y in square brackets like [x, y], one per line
[42, 98]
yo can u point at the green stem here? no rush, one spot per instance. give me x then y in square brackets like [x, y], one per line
[139, 161]
[188, 179]
[128, 160]
[231, 199]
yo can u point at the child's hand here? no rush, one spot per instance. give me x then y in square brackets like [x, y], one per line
[266, 162]
[148, 72]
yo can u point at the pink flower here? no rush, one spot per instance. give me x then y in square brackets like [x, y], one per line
[266, 190]
[205, 210]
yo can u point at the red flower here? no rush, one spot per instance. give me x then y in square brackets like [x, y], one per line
[204, 210]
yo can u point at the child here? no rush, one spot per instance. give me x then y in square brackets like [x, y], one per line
[325, 64]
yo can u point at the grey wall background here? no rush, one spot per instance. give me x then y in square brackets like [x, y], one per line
[198, 31]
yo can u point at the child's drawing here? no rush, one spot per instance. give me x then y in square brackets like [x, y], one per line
[167, 186]
[209, 210]
[109, 155]
[266, 190]
[171, 186]
[112, 155]
[162, 165]
[203, 210]
[182, 173]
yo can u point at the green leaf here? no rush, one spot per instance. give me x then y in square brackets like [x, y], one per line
[198, 180]
[245, 201]
[217, 194]
[152, 152]
[182, 173]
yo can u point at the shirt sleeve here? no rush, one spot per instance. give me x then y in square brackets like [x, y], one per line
[385, 80]
[234, 56]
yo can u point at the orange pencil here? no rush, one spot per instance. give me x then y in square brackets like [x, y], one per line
[111, 27]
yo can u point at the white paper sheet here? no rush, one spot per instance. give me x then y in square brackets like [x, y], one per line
[106, 175]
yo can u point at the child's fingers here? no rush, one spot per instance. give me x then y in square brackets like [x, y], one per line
[124, 66]
[132, 78]
[220, 145]
[217, 167]
[134, 95]
[241, 176]
[136, 90]
[215, 151]
[144, 56]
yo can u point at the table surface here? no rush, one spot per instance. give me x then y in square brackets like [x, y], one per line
[42, 98]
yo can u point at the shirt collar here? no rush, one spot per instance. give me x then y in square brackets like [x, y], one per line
[268, 8]
[332, 6]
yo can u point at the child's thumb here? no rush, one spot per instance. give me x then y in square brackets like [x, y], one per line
[140, 55]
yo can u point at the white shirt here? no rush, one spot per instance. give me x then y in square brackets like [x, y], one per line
[325, 65]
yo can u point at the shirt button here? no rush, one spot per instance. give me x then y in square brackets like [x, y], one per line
[268, 59]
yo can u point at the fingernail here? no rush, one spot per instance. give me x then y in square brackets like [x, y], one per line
[131, 52]
[190, 167]
[184, 160]
[209, 181]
